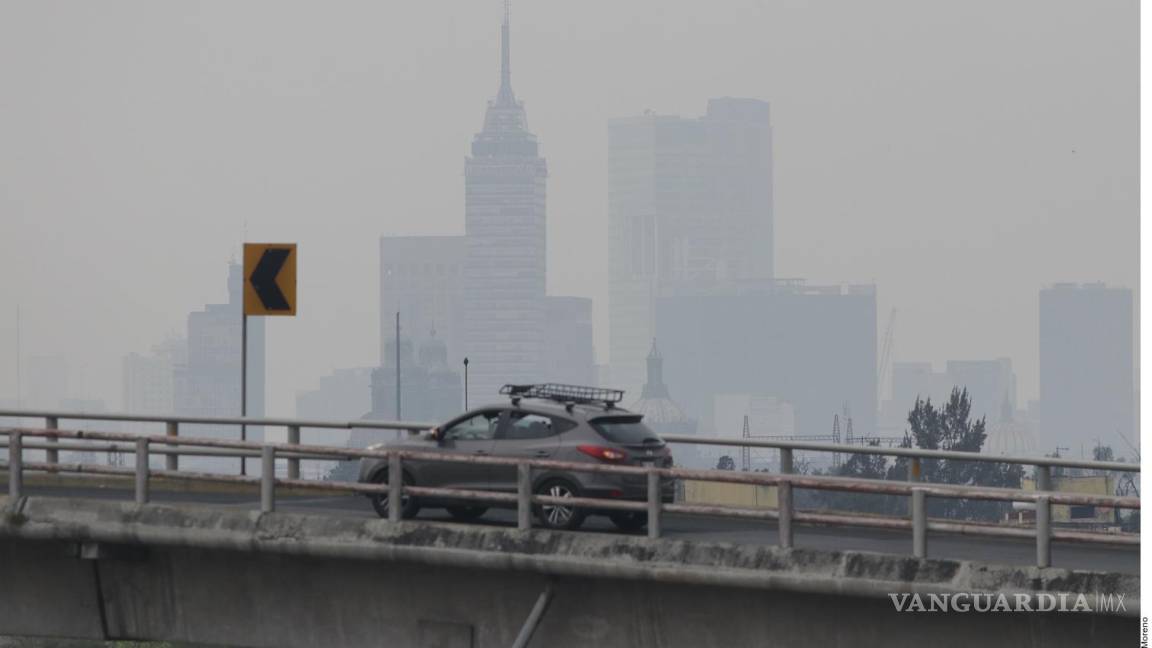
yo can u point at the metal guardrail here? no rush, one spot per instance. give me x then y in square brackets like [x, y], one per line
[524, 499]
[52, 420]
[913, 453]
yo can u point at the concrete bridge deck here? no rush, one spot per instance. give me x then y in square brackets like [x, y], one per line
[105, 569]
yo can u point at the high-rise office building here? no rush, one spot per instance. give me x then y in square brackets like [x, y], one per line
[343, 395]
[422, 278]
[569, 356]
[430, 389]
[208, 382]
[1087, 387]
[812, 348]
[149, 382]
[504, 216]
[690, 210]
[991, 386]
[148, 378]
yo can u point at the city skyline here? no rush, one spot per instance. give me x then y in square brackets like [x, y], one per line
[997, 293]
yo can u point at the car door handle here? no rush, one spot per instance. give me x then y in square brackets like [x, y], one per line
[481, 452]
[542, 453]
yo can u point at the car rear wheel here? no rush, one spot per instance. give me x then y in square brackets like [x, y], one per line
[629, 521]
[466, 513]
[409, 507]
[558, 516]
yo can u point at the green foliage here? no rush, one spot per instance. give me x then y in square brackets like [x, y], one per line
[1103, 453]
[951, 428]
[948, 427]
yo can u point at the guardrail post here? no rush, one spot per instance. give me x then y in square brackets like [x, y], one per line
[395, 486]
[267, 479]
[1043, 478]
[15, 465]
[1043, 531]
[172, 460]
[919, 524]
[523, 496]
[52, 423]
[294, 462]
[653, 503]
[141, 471]
[784, 500]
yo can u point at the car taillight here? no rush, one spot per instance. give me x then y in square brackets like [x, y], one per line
[602, 453]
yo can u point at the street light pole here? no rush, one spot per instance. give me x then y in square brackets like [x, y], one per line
[465, 384]
[399, 416]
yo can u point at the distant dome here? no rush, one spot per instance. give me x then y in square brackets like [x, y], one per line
[1013, 437]
[657, 406]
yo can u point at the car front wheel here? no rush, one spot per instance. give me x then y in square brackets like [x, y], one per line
[559, 516]
[409, 507]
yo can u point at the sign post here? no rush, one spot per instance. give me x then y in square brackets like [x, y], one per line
[269, 289]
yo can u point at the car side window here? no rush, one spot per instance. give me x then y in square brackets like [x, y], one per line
[533, 426]
[478, 428]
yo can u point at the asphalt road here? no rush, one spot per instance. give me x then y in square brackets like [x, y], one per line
[711, 529]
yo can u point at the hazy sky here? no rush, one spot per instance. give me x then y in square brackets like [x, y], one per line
[958, 154]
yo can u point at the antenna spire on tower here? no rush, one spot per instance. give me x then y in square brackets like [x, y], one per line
[505, 95]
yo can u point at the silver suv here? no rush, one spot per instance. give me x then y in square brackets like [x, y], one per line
[549, 421]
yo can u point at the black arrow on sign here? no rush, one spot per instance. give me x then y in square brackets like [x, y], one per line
[263, 279]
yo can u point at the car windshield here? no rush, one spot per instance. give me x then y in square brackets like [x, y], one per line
[626, 431]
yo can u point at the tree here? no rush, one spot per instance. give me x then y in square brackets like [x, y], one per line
[1103, 453]
[951, 428]
[862, 466]
[726, 463]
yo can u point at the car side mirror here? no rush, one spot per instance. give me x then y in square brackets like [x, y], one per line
[437, 435]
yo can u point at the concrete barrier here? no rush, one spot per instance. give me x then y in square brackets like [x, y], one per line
[723, 494]
[99, 569]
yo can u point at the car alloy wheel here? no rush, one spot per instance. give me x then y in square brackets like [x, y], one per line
[559, 516]
[556, 515]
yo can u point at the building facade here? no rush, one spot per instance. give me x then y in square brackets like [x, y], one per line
[208, 382]
[504, 220]
[1087, 378]
[430, 389]
[690, 209]
[811, 348]
[149, 385]
[569, 356]
[422, 278]
[991, 386]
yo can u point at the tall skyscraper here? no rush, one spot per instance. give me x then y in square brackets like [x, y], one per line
[690, 211]
[149, 386]
[569, 356]
[422, 278]
[991, 386]
[1087, 387]
[812, 348]
[208, 383]
[504, 219]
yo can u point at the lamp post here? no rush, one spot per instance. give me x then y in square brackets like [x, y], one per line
[465, 384]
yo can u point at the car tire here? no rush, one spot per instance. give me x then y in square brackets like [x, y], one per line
[629, 521]
[552, 516]
[410, 506]
[466, 513]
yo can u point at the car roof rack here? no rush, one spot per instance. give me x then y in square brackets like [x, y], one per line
[571, 394]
